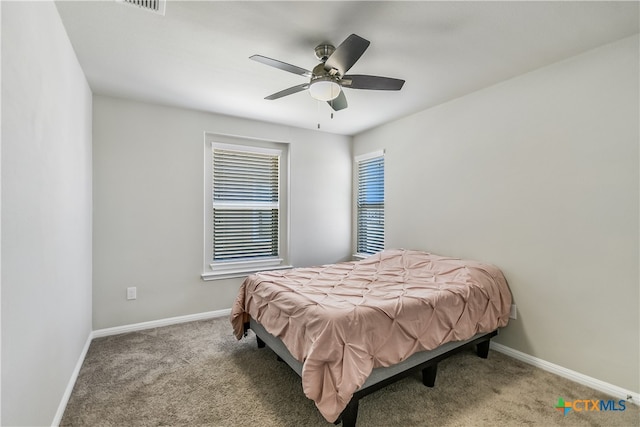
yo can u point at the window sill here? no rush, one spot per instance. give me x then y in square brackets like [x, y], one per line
[233, 270]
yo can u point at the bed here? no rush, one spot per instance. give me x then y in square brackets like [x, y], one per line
[350, 328]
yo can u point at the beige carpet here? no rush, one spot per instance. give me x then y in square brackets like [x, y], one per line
[197, 374]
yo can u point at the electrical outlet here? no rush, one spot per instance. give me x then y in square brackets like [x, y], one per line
[514, 312]
[132, 293]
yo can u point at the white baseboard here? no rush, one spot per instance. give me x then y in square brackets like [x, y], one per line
[121, 330]
[610, 389]
[72, 382]
[159, 323]
[577, 377]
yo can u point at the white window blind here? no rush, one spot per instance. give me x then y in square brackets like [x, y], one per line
[370, 204]
[246, 206]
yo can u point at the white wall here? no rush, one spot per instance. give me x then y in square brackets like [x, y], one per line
[539, 175]
[149, 207]
[46, 212]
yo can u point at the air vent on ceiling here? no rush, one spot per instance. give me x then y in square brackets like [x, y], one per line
[156, 6]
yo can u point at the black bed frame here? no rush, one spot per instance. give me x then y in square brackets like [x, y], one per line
[428, 365]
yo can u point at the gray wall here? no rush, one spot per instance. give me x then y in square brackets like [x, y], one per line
[539, 175]
[46, 212]
[149, 207]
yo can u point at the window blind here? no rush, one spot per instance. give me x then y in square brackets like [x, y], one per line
[370, 203]
[245, 204]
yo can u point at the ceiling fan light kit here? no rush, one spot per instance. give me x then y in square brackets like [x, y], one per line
[324, 89]
[329, 77]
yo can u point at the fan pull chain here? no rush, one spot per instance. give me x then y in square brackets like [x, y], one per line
[318, 113]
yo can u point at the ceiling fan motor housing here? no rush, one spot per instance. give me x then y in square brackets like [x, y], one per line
[320, 71]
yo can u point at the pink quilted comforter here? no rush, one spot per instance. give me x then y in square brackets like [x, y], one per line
[342, 320]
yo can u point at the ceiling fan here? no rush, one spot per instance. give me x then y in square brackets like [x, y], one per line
[328, 77]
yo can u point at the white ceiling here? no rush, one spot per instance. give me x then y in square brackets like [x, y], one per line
[196, 55]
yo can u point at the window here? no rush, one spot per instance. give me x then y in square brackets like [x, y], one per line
[246, 206]
[370, 203]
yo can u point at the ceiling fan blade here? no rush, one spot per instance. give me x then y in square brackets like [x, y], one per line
[359, 81]
[281, 65]
[290, 91]
[346, 54]
[340, 103]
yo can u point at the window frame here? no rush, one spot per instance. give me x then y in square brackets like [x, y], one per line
[218, 270]
[357, 160]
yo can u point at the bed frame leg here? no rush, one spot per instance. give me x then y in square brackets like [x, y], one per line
[245, 328]
[261, 343]
[350, 414]
[483, 349]
[429, 375]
